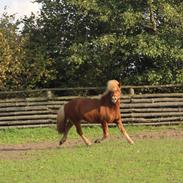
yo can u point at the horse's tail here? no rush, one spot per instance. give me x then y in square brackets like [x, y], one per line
[61, 120]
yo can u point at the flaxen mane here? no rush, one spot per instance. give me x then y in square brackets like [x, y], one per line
[113, 85]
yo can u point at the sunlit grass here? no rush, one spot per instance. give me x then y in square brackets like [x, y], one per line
[148, 161]
[113, 161]
[31, 135]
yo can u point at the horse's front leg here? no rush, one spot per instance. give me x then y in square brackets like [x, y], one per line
[123, 131]
[105, 132]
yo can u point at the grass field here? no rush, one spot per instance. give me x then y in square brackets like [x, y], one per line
[151, 160]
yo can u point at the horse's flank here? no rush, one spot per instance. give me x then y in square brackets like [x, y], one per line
[82, 109]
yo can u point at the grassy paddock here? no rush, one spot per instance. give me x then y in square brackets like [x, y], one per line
[31, 135]
[148, 161]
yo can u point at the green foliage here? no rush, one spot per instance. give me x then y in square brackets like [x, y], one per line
[10, 51]
[21, 64]
[86, 43]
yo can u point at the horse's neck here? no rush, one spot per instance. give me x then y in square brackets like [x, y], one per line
[105, 99]
[117, 105]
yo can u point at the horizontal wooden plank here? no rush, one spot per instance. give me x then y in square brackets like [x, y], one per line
[23, 113]
[141, 119]
[92, 88]
[155, 95]
[52, 89]
[21, 104]
[123, 105]
[26, 117]
[144, 105]
[56, 103]
[153, 114]
[90, 125]
[25, 104]
[167, 119]
[155, 123]
[44, 101]
[26, 122]
[67, 98]
[149, 110]
[26, 126]
[153, 100]
[147, 120]
[23, 108]
[54, 109]
[153, 86]
[16, 100]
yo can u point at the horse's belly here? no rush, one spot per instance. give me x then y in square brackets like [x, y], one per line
[91, 117]
[109, 116]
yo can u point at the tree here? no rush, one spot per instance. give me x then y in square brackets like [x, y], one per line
[141, 42]
[89, 42]
[21, 66]
[10, 65]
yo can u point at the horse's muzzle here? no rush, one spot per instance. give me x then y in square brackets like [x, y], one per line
[114, 99]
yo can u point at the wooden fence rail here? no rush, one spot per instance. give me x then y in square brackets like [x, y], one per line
[138, 109]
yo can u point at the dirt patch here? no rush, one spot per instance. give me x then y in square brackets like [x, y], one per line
[22, 151]
[160, 134]
[19, 151]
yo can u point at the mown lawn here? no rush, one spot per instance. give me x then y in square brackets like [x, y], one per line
[148, 161]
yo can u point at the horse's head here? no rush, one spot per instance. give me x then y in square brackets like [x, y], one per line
[114, 90]
[115, 96]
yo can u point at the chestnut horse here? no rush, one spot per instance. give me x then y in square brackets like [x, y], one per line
[104, 110]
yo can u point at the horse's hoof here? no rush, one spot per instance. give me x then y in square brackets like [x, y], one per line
[130, 141]
[98, 141]
[89, 144]
[61, 142]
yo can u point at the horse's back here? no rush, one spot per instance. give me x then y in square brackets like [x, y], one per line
[82, 109]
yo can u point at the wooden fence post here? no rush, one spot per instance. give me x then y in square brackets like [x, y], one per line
[49, 94]
[132, 91]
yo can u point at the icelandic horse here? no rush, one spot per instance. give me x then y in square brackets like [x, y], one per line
[104, 110]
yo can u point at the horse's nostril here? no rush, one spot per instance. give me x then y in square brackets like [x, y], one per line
[114, 99]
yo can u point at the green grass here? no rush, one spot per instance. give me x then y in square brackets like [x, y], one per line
[31, 135]
[17, 136]
[148, 161]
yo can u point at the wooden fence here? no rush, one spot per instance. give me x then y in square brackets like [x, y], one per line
[136, 109]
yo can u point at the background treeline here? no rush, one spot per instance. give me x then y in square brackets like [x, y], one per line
[85, 43]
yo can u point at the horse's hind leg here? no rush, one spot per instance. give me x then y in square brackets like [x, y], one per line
[69, 124]
[79, 131]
